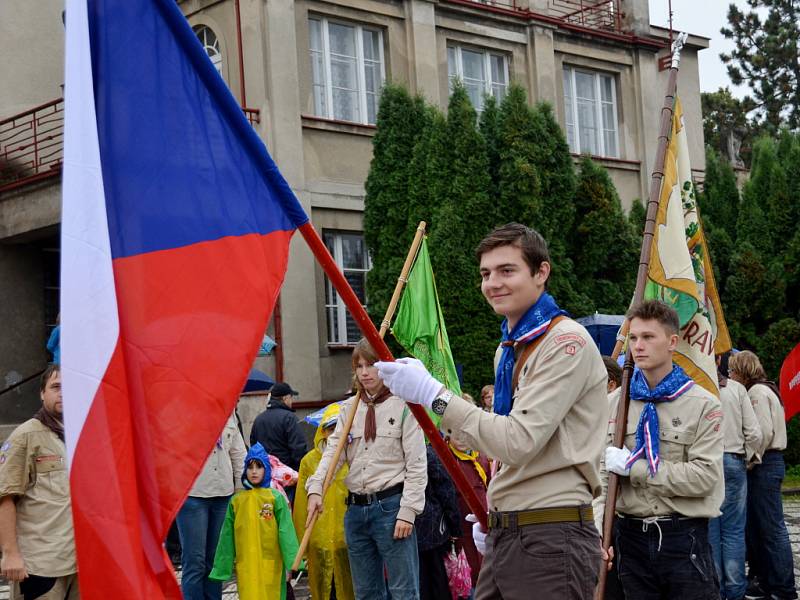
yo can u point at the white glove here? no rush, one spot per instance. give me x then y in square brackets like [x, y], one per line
[409, 379]
[478, 534]
[616, 459]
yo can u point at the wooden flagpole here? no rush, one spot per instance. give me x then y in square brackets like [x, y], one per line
[641, 280]
[387, 320]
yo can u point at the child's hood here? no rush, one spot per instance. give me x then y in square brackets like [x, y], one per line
[257, 452]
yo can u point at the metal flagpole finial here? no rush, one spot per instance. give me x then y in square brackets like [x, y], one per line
[677, 46]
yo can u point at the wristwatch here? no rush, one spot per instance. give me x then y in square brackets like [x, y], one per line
[441, 401]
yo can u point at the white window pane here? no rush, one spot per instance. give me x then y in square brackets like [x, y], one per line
[608, 116]
[498, 69]
[345, 105]
[606, 84]
[315, 34]
[452, 67]
[587, 127]
[372, 108]
[342, 39]
[371, 45]
[353, 252]
[473, 65]
[567, 76]
[584, 85]
[343, 73]
[499, 92]
[610, 140]
[475, 93]
[373, 79]
[571, 138]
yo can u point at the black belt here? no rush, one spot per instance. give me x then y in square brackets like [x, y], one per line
[673, 521]
[367, 499]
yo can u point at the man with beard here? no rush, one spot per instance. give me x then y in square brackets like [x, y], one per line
[36, 536]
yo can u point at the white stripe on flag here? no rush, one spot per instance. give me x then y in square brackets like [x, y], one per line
[89, 318]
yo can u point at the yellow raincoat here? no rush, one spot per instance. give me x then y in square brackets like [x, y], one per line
[257, 538]
[327, 551]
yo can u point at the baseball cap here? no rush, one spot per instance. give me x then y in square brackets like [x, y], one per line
[281, 389]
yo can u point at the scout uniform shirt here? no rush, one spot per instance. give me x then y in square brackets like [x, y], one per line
[550, 443]
[33, 467]
[741, 433]
[689, 480]
[396, 455]
[769, 412]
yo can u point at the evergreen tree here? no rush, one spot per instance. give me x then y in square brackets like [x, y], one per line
[464, 216]
[636, 218]
[773, 347]
[604, 248]
[719, 201]
[386, 230]
[427, 158]
[723, 115]
[490, 130]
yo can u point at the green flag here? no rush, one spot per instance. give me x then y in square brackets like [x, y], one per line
[419, 325]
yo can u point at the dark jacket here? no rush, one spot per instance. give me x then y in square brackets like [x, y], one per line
[279, 432]
[441, 518]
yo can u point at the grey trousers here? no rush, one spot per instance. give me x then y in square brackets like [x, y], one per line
[554, 560]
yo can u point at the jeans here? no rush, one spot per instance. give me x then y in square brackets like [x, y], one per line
[199, 523]
[669, 559]
[369, 531]
[768, 551]
[725, 533]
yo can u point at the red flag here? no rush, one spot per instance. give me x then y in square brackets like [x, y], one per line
[790, 383]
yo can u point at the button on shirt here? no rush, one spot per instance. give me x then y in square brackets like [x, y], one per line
[33, 467]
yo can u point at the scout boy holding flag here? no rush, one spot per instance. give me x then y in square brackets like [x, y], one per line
[550, 407]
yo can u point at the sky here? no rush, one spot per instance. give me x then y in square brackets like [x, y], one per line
[702, 17]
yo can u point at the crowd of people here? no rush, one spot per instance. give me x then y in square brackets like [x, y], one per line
[697, 475]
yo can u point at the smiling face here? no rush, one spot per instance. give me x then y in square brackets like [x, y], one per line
[368, 376]
[51, 395]
[652, 346]
[508, 284]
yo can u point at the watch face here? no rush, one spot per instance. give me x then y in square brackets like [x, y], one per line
[438, 407]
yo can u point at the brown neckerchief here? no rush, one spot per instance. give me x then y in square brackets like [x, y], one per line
[50, 421]
[370, 426]
[527, 350]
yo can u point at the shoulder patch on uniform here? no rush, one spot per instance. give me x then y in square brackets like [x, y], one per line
[571, 349]
[570, 337]
[714, 414]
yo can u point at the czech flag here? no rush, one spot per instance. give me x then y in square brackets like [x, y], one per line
[175, 234]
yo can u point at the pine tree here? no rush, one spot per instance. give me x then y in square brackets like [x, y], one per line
[603, 245]
[776, 343]
[464, 217]
[386, 229]
[719, 201]
[427, 158]
[489, 127]
[636, 219]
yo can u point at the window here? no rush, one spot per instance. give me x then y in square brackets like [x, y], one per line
[350, 253]
[480, 71]
[590, 104]
[210, 44]
[347, 70]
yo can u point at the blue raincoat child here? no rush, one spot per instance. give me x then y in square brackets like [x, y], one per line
[257, 537]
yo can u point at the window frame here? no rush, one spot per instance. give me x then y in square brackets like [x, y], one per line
[598, 76]
[362, 92]
[340, 338]
[202, 27]
[488, 82]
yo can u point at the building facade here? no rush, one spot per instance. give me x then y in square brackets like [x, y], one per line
[309, 79]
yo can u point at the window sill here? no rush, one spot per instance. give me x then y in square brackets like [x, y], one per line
[610, 161]
[321, 123]
[341, 347]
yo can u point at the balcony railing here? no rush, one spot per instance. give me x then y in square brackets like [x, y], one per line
[593, 14]
[509, 4]
[32, 144]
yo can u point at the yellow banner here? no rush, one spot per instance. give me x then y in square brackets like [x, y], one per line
[680, 271]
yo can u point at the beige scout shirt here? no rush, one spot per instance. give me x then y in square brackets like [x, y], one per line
[223, 469]
[550, 443]
[770, 415]
[397, 455]
[33, 467]
[689, 480]
[741, 432]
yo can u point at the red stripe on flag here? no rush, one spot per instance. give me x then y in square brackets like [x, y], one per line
[191, 320]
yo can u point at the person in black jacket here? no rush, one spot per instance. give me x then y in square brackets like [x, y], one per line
[279, 432]
[437, 526]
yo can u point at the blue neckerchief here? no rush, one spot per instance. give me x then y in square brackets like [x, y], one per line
[532, 324]
[647, 433]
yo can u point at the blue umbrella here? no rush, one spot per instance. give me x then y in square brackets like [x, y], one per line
[603, 329]
[258, 381]
[315, 418]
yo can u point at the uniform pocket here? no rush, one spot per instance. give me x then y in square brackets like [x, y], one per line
[674, 444]
[388, 444]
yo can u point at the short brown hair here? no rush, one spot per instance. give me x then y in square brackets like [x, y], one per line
[655, 310]
[613, 369]
[747, 365]
[363, 349]
[530, 241]
[48, 373]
